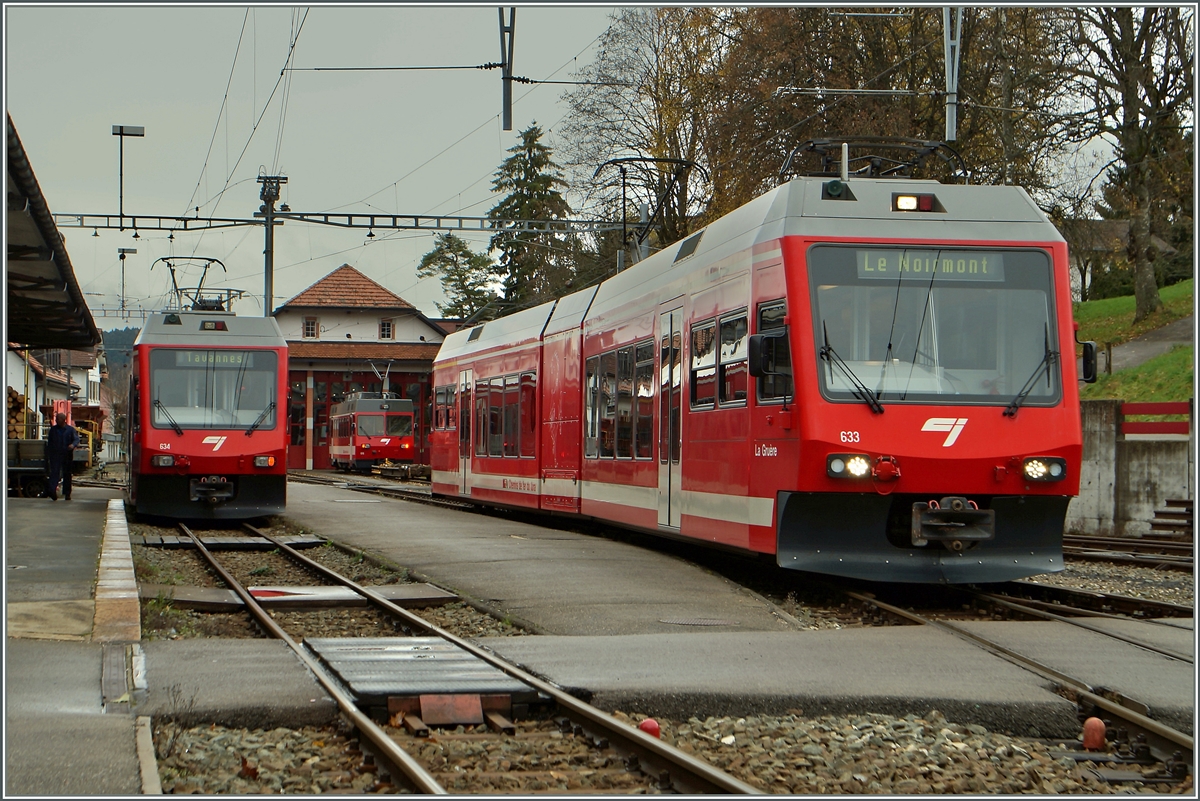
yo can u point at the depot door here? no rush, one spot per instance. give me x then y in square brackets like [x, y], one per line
[670, 435]
[464, 431]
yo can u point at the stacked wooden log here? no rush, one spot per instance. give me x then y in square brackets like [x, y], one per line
[19, 416]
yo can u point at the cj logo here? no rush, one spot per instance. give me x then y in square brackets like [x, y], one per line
[217, 442]
[954, 425]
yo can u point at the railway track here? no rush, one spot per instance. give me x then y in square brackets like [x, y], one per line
[1134, 736]
[592, 750]
[482, 758]
[1161, 554]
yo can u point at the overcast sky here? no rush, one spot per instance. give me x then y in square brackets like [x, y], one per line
[373, 141]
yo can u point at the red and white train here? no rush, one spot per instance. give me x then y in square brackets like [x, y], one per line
[863, 378]
[206, 435]
[369, 428]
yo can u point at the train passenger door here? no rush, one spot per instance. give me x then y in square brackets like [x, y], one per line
[464, 431]
[670, 435]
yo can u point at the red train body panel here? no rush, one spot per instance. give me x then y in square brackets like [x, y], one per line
[859, 390]
[369, 428]
[206, 437]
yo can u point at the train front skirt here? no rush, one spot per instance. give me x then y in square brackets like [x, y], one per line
[241, 497]
[848, 535]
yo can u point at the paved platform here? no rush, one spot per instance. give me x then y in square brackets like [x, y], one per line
[52, 666]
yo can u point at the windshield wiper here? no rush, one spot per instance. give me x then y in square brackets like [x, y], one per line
[159, 405]
[262, 416]
[861, 390]
[1048, 358]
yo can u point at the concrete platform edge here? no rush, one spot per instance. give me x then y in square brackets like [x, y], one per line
[147, 760]
[118, 611]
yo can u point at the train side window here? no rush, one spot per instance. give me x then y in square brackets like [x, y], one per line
[482, 396]
[591, 447]
[625, 403]
[608, 404]
[451, 420]
[643, 380]
[135, 408]
[528, 413]
[775, 387]
[512, 415]
[704, 365]
[732, 370]
[496, 418]
[439, 413]
[464, 421]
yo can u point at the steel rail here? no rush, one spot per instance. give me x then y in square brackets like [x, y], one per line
[399, 493]
[1119, 602]
[1029, 610]
[1145, 560]
[687, 774]
[1135, 545]
[1081, 612]
[1163, 740]
[399, 763]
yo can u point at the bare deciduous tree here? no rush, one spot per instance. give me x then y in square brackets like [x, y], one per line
[1133, 70]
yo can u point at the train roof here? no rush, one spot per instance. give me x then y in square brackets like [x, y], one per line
[796, 208]
[515, 329]
[186, 328]
[376, 403]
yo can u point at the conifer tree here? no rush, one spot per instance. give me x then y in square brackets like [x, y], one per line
[533, 265]
[465, 276]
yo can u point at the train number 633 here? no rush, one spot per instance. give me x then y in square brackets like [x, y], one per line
[850, 436]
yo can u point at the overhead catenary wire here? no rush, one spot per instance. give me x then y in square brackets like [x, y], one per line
[488, 121]
[220, 114]
[266, 105]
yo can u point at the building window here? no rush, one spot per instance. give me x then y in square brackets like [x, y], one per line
[310, 328]
[385, 329]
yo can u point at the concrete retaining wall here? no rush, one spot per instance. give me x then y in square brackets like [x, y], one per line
[1124, 478]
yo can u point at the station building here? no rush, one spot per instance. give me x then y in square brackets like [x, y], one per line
[347, 333]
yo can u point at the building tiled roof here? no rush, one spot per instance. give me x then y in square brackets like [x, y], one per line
[346, 287]
[77, 358]
[363, 350]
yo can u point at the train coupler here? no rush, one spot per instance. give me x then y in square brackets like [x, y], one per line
[953, 521]
[210, 489]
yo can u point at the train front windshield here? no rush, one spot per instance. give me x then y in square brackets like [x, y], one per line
[930, 325]
[192, 388]
[375, 425]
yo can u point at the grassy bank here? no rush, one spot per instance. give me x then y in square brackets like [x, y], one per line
[1111, 319]
[1165, 378]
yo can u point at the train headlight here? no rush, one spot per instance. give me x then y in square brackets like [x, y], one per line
[264, 461]
[847, 465]
[915, 203]
[162, 460]
[1045, 468]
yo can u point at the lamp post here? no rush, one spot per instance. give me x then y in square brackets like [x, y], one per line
[122, 131]
[123, 252]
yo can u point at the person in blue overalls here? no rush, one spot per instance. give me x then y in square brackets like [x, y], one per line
[61, 443]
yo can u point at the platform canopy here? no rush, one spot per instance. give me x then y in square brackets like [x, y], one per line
[45, 306]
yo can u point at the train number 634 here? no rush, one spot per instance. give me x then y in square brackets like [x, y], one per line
[850, 436]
